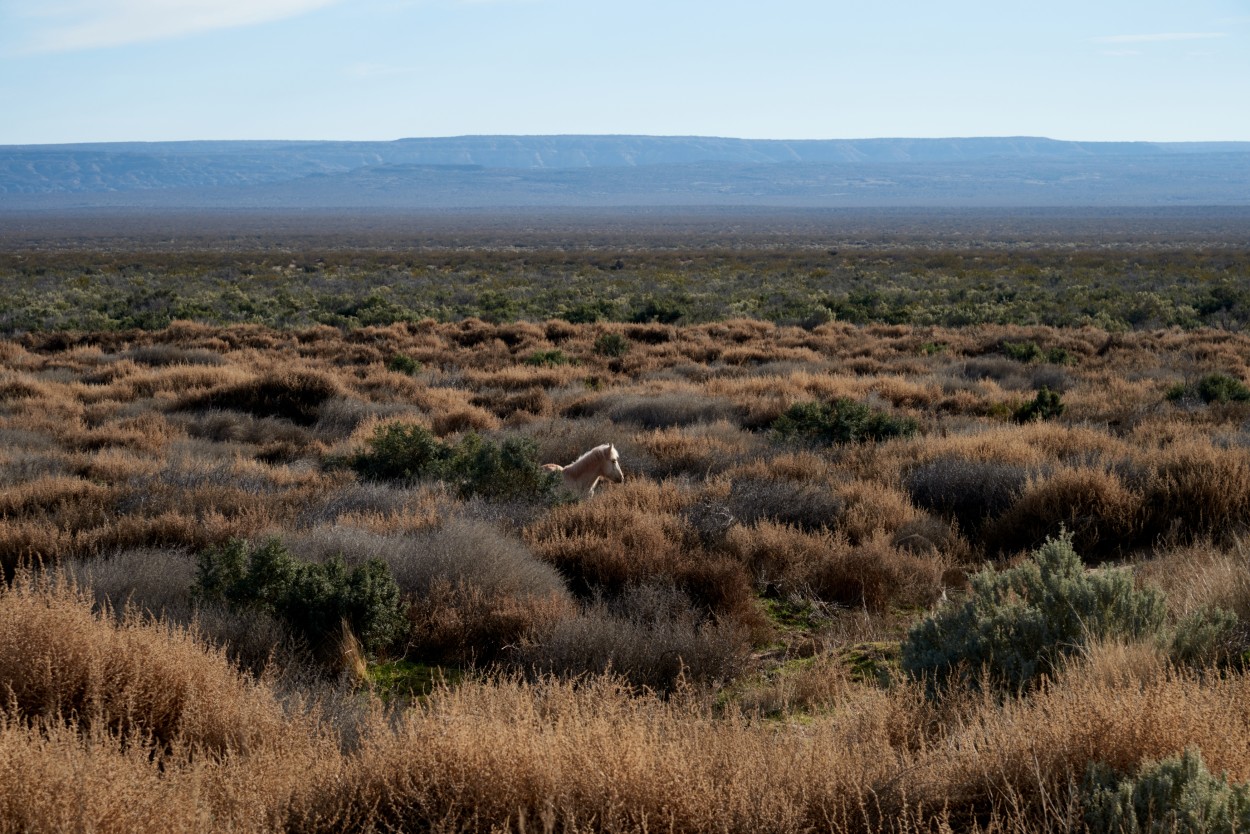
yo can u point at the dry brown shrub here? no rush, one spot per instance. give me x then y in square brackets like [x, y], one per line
[461, 623]
[469, 418]
[1019, 762]
[114, 465]
[59, 659]
[1091, 504]
[48, 495]
[503, 404]
[1193, 490]
[704, 450]
[19, 386]
[633, 534]
[179, 380]
[901, 392]
[523, 377]
[872, 508]
[875, 575]
[1202, 574]
[148, 432]
[292, 393]
[649, 635]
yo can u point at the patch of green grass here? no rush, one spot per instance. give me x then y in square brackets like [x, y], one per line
[408, 679]
[794, 616]
[873, 662]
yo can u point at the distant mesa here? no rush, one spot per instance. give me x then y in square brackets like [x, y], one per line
[608, 171]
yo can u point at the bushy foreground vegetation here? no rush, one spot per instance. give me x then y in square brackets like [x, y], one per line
[858, 578]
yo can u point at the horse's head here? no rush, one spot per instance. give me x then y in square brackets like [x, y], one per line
[612, 465]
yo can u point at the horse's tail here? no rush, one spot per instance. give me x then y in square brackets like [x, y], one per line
[553, 467]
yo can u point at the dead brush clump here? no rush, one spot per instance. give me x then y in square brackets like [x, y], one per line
[701, 450]
[1192, 490]
[523, 377]
[591, 755]
[809, 505]
[505, 404]
[296, 395]
[872, 508]
[665, 409]
[176, 381]
[649, 635]
[608, 544]
[1091, 504]
[1020, 761]
[59, 659]
[164, 354]
[1202, 574]
[875, 575]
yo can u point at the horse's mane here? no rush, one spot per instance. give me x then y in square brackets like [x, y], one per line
[598, 452]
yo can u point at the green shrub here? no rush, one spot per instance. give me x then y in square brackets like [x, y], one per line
[399, 452]
[1176, 795]
[312, 599]
[508, 470]
[548, 358]
[404, 364]
[1028, 352]
[1017, 624]
[1221, 388]
[840, 421]
[474, 465]
[1023, 351]
[1204, 637]
[1047, 405]
[1212, 388]
[612, 345]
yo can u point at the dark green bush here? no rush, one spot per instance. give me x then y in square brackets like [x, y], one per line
[1018, 624]
[312, 599]
[1212, 388]
[1028, 352]
[1023, 351]
[840, 421]
[1221, 388]
[1047, 405]
[399, 452]
[1176, 795]
[612, 345]
[404, 364]
[548, 358]
[474, 465]
[507, 470]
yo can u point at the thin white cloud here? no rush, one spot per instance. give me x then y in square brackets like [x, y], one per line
[68, 25]
[1161, 37]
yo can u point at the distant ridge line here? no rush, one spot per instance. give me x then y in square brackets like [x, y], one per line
[615, 170]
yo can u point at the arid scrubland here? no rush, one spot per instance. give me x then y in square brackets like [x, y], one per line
[713, 645]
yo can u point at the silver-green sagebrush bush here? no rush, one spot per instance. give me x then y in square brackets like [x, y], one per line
[1176, 795]
[1017, 624]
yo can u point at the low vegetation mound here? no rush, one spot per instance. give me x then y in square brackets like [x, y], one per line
[296, 396]
[840, 421]
[315, 599]
[1018, 624]
[473, 465]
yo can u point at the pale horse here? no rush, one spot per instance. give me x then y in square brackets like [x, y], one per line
[583, 475]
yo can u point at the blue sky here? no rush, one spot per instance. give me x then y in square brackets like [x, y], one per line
[113, 70]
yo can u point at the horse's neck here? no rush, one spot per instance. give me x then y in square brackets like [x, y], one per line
[583, 473]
